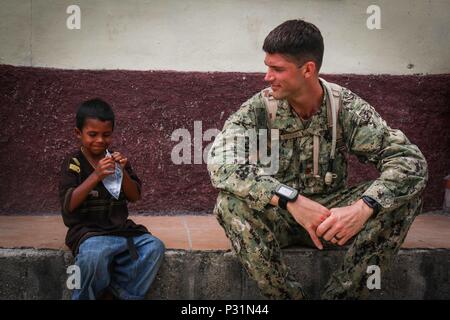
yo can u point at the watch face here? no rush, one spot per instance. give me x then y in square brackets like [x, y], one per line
[288, 193]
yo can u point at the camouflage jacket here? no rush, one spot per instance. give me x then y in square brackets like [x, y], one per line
[402, 166]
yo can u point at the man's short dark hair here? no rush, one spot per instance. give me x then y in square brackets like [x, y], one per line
[94, 109]
[298, 39]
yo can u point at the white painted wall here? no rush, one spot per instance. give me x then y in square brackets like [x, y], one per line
[224, 35]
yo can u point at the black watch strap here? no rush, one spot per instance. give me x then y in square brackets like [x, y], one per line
[282, 203]
[372, 203]
[285, 194]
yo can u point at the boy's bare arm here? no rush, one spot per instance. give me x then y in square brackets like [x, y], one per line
[104, 168]
[130, 188]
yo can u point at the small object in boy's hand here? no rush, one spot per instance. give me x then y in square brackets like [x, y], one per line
[113, 182]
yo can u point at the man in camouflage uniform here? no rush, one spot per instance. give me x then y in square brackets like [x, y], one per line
[373, 218]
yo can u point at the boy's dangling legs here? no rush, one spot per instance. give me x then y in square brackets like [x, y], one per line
[131, 279]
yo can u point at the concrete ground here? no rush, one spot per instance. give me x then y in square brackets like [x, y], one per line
[199, 264]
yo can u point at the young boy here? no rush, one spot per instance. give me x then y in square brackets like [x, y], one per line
[116, 256]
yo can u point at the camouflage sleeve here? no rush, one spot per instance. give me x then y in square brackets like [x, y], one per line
[244, 179]
[402, 166]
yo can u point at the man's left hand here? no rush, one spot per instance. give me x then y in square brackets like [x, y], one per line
[344, 222]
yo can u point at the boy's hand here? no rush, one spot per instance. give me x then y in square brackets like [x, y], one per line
[104, 167]
[118, 157]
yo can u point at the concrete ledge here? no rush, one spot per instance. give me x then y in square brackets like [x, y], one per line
[199, 264]
[41, 274]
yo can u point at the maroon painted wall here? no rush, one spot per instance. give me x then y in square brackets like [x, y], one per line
[37, 111]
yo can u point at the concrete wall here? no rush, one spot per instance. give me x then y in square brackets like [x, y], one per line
[38, 109]
[224, 35]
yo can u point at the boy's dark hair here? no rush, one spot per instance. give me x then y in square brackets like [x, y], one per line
[298, 39]
[94, 109]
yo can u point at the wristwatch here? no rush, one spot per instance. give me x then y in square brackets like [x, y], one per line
[372, 203]
[285, 194]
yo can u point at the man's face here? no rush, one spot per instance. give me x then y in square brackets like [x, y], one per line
[285, 76]
[95, 136]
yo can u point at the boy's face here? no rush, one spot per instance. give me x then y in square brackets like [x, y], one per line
[96, 136]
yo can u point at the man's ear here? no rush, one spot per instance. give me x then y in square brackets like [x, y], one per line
[310, 69]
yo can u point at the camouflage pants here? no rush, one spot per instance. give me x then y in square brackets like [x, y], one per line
[258, 237]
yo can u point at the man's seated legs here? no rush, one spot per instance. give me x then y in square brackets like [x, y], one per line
[376, 244]
[257, 238]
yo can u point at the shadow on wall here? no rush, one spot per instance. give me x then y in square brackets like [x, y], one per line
[38, 108]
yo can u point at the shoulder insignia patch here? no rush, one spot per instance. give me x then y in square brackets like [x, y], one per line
[74, 168]
[76, 161]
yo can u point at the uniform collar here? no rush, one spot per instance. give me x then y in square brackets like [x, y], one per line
[287, 119]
